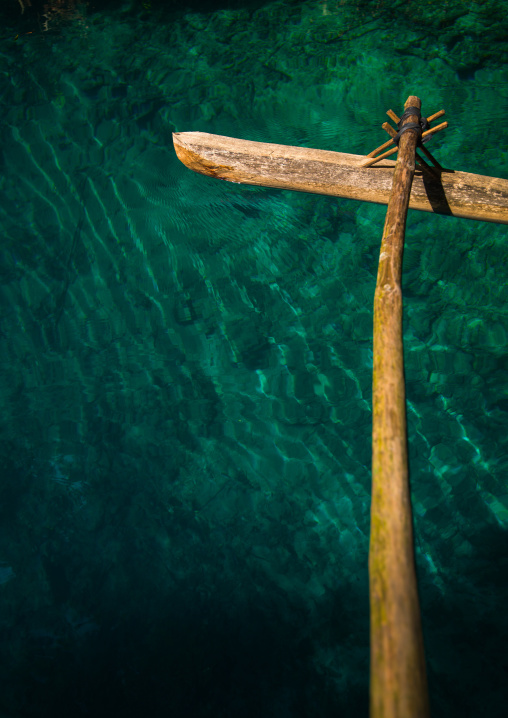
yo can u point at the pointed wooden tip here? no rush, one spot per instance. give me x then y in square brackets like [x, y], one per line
[186, 151]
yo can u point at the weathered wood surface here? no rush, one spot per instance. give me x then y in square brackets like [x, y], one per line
[398, 684]
[338, 174]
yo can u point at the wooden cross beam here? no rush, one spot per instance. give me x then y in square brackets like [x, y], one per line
[398, 684]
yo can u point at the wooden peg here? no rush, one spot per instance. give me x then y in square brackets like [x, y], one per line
[391, 114]
[381, 157]
[430, 156]
[391, 131]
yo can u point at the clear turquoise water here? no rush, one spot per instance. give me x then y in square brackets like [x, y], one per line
[186, 364]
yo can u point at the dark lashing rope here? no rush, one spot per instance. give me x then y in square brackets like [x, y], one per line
[421, 125]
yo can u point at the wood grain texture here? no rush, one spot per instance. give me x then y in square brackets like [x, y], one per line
[398, 684]
[338, 174]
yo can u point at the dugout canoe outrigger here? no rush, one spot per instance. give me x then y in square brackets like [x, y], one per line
[338, 174]
[398, 683]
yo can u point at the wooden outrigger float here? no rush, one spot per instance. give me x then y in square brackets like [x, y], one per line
[398, 683]
[338, 174]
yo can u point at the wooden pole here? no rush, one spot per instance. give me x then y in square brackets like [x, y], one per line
[398, 683]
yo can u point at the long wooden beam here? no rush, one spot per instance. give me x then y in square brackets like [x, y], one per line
[398, 683]
[338, 174]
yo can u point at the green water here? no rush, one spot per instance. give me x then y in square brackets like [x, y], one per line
[185, 364]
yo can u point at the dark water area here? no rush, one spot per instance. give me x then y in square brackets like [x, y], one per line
[185, 364]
